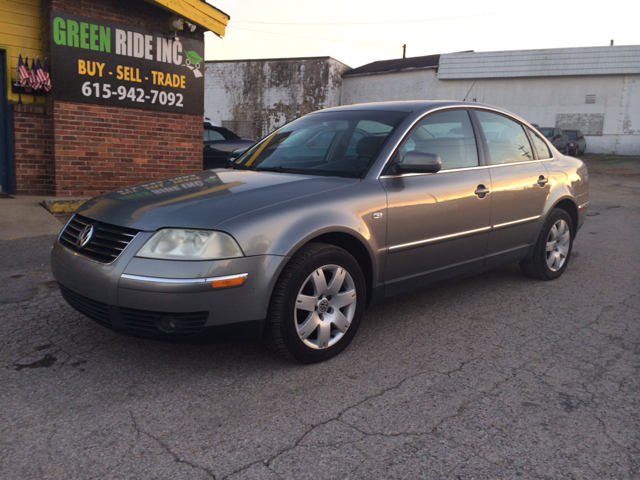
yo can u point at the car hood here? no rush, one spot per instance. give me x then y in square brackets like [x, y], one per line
[203, 199]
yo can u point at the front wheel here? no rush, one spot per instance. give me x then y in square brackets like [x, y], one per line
[553, 248]
[317, 304]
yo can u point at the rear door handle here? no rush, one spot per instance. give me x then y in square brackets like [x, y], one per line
[542, 181]
[482, 191]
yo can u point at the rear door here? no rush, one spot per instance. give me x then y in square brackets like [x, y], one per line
[519, 186]
[438, 223]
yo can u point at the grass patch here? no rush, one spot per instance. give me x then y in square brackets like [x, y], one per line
[610, 164]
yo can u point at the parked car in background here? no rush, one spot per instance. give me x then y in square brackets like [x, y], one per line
[557, 137]
[335, 211]
[219, 142]
[577, 142]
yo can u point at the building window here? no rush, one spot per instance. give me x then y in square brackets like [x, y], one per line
[590, 99]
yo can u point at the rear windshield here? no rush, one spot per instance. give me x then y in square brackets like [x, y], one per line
[571, 133]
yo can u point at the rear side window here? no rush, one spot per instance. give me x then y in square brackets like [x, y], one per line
[506, 139]
[447, 134]
[212, 135]
[540, 145]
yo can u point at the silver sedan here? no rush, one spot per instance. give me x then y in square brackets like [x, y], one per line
[333, 212]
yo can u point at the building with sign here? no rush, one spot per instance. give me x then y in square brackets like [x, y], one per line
[97, 95]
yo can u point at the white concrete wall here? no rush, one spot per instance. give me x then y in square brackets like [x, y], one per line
[538, 100]
[268, 93]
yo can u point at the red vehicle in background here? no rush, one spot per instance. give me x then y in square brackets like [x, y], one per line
[577, 142]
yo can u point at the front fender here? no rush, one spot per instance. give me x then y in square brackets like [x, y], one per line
[284, 228]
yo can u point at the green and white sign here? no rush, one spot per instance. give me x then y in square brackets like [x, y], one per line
[107, 63]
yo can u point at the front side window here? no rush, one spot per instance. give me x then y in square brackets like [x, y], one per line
[540, 145]
[339, 143]
[447, 134]
[506, 139]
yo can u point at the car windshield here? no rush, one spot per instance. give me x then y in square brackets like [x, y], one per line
[339, 143]
[571, 133]
[547, 132]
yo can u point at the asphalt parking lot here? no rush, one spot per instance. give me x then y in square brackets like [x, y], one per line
[495, 376]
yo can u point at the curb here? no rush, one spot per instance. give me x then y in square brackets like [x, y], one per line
[62, 206]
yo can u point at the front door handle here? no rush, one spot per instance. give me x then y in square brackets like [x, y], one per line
[542, 181]
[482, 191]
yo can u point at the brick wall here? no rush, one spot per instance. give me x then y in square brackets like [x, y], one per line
[99, 148]
[33, 149]
[81, 149]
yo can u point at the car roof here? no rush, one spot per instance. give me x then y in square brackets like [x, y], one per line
[418, 107]
[407, 105]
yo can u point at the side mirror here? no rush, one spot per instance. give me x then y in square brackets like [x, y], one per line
[236, 153]
[419, 162]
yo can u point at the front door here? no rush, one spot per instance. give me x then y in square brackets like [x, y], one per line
[438, 224]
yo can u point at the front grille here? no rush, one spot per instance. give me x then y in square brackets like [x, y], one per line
[107, 241]
[93, 309]
[163, 325]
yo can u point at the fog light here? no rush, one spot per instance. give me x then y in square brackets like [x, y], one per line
[167, 324]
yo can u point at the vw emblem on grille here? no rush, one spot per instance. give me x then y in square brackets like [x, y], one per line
[84, 236]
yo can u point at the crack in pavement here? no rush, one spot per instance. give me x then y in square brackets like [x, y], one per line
[177, 458]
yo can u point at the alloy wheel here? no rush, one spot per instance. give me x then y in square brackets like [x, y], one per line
[325, 306]
[558, 243]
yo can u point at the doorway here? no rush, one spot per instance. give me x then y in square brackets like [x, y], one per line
[7, 184]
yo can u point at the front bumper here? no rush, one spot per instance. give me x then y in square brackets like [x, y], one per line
[171, 300]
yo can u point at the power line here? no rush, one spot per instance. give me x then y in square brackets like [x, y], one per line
[385, 22]
[312, 38]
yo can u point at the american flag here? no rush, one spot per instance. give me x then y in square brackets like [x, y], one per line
[46, 84]
[32, 74]
[40, 78]
[23, 71]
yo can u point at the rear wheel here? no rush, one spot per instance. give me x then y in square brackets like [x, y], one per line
[317, 304]
[553, 248]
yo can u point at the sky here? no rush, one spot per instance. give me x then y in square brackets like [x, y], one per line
[357, 32]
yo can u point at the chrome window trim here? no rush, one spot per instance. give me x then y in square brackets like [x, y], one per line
[461, 234]
[456, 107]
[479, 167]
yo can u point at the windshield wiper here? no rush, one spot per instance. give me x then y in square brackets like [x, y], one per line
[239, 166]
[279, 168]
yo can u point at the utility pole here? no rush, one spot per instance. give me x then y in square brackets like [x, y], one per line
[404, 51]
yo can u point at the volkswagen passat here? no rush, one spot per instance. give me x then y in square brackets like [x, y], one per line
[331, 213]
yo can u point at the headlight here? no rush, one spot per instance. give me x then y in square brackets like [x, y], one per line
[176, 244]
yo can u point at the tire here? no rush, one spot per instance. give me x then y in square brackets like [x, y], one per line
[330, 313]
[553, 249]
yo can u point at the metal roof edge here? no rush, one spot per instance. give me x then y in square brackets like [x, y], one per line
[402, 70]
